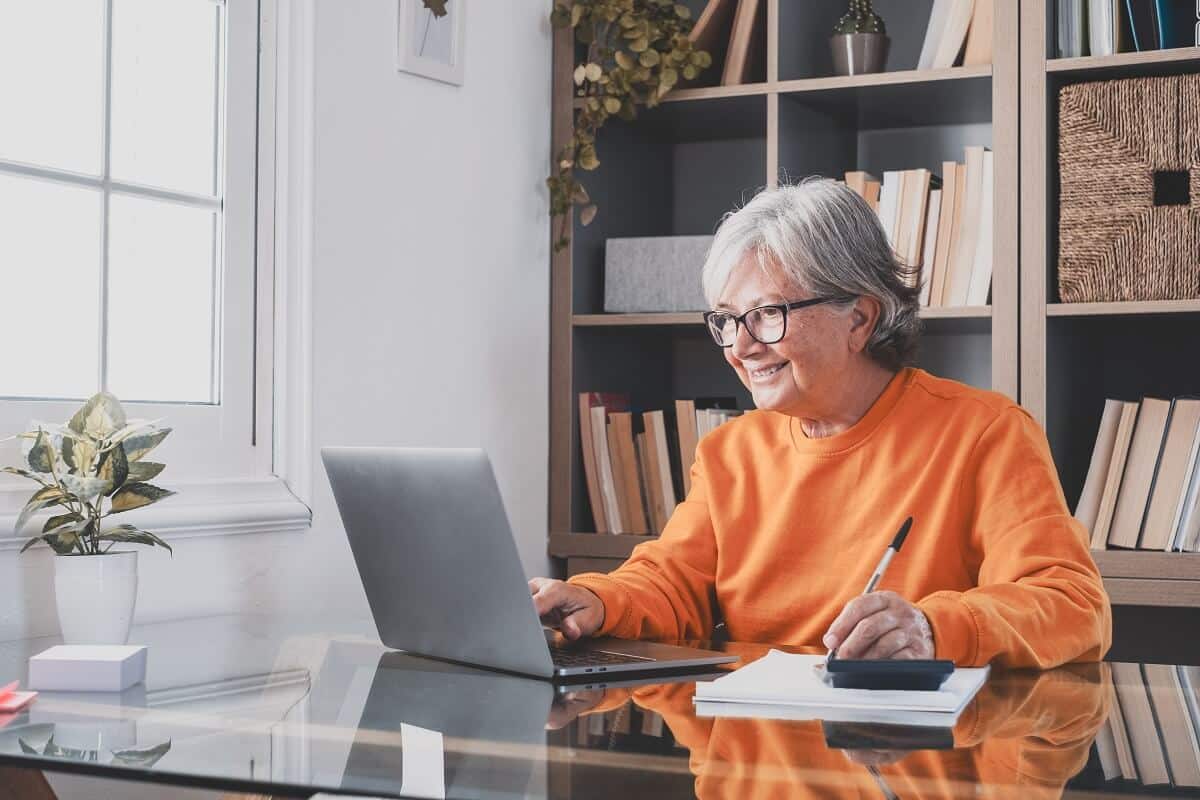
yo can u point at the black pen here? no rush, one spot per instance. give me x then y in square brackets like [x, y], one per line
[888, 555]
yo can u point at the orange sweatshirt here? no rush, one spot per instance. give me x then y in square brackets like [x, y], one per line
[780, 531]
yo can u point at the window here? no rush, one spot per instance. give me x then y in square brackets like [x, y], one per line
[128, 213]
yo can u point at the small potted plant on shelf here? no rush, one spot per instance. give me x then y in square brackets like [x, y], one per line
[859, 41]
[90, 469]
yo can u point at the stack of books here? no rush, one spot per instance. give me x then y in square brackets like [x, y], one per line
[1143, 480]
[940, 225]
[634, 464]
[957, 28]
[1152, 734]
[1105, 27]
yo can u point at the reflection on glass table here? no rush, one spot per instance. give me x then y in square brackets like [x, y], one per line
[290, 708]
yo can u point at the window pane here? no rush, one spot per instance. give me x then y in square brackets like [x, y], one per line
[160, 301]
[164, 86]
[49, 289]
[52, 84]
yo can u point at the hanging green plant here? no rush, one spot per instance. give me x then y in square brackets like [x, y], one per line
[637, 51]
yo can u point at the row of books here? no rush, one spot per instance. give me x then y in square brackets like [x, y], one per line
[1152, 734]
[634, 464]
[1144, 477]
[939, 223]
[1104, 27]
[957, 27]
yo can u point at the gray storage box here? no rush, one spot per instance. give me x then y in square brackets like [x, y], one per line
[654, 273]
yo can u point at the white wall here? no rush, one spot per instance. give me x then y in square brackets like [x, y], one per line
[431, 303]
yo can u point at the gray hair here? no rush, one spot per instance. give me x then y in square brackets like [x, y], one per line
[830, 243]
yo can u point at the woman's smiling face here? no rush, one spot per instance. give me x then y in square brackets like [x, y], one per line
[799, 373]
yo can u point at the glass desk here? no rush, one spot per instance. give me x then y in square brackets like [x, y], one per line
[292, 708]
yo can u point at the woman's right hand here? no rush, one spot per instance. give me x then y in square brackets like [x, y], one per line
[573, 610]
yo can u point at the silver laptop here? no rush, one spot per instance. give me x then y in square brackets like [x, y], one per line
[440, 569]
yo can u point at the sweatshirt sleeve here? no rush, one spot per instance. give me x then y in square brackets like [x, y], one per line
[1040, 601]
[666, 588]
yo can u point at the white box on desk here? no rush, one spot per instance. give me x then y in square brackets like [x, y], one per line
[87, 668]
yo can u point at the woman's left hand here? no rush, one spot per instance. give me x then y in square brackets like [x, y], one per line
[880, 625]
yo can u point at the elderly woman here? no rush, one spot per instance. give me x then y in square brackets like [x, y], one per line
[792, 504]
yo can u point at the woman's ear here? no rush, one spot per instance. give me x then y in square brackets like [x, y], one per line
[863, 317]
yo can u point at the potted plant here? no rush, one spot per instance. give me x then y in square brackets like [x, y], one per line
[89, 469]
[859, 42]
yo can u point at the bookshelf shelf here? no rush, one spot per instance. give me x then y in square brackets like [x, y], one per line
[594, 545]
[695, 318]
[920, 77]
[1120, 309]
[1103, 66]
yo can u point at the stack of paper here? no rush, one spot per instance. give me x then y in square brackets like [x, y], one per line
[788, 686]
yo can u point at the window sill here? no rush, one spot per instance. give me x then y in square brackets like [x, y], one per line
[202, 508]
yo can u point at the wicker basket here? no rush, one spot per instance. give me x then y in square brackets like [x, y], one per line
[1129, 166]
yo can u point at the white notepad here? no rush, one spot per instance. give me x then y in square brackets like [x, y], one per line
[787, 679]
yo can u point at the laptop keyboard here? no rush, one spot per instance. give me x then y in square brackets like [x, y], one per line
[565, 657]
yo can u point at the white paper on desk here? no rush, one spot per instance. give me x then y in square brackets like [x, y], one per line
[424, 763]
[790, 679]
[799, 713]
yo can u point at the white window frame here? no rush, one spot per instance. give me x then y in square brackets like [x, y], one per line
[258, 479]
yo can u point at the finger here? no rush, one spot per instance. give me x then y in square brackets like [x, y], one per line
[890, 643]
[855, 611]
[866, 633]
[907, 653]
[536, 584]
[547, 599]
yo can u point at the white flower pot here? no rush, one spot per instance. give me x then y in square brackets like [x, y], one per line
[95, 597]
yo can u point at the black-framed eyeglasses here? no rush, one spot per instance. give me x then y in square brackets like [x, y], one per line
[765, 324]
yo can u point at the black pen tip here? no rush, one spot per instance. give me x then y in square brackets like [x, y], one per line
[899, 540]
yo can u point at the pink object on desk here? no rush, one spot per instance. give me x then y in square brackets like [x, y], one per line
[12, 701]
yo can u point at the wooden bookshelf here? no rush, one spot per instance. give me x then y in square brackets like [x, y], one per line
[1074, 355]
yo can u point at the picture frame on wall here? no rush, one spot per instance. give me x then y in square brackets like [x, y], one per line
[430, 39]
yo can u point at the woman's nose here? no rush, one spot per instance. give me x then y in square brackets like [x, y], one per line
[744, 344]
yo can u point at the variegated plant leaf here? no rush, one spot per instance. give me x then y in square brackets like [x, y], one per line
[100, 417]
[41, 456]
[145, 470]
[136, 495]
[140, 444]
[78, 453]
[24, 473]
[114, 468]
[134, 426]
[60, 521]
[84, 487]
[34, 506]
[135, 535]
[62, 543]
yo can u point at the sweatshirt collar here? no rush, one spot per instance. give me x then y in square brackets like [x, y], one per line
[856, 433]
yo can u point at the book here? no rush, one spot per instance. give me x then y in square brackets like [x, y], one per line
[1174, 723]
[950, 42]
[1158, 529]
[743, 40]
[1116, 471]
[981, 269]
[656, 429]
[649, 484]
[1088, 507]
[1106, 751]
[872, 194]
[630, 487]
[1176, 23]
[934, 30]
[791, 679]
[916, 187]
[685, 424]
[712, 32]
[1142, 18]
[889, 200]
[979, 35]
[950, 207]
[1070, 29]
[1121, 737]
[929, 255]
[1105, 27]
[958, 281]
[858, 179]
[1139, 472]
[1139, 724]
[604, 468]
[588, 401]
[1187, 535]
